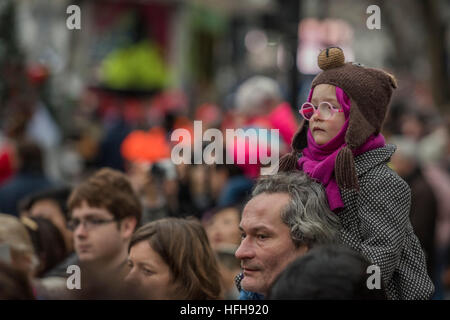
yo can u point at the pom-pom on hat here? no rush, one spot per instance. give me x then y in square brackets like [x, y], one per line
[370, 91]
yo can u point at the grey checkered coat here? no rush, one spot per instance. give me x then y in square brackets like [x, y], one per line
[375, 221]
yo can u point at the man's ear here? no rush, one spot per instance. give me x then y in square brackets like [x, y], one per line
[303, 249]
[127, 226]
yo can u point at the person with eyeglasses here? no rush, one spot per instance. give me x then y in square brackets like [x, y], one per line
[340, 145]
[104, 212]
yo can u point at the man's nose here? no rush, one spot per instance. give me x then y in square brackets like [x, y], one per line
[131, 276]
[80, 231]
[245, 250]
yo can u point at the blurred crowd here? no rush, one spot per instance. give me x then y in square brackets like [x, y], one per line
[60, 189]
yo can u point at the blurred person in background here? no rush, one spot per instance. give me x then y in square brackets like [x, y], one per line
[156, 184]
[196, 196]
[42, 126]
[6, 159]
[210, 115]
[147, 181]
[413, 124]
[332, 272]
[109, 154]
[151, 172]
[194, 192]
[259, 108]
[47, 241]
[259, 102]
[50, 250]
[160, 193]
[434, 152]
[406, 162]
[24, 245]
[229, 184]
[171, 259]
[222, 228]
[14, 284]
[14, 118]
[50, 204]
[429, 130]
[104, 212]
[30, 116]
[165, 176]
[19, 250]
[30, 177]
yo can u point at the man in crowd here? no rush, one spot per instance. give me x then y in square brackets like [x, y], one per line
[287, 215]
[104, 214]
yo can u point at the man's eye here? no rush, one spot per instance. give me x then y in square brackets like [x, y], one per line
[96, 221]
[130, 264]
[261, 236]
[243, 235]
[74, 222]
[147, 272]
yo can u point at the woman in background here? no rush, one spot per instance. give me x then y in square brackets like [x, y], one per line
[171, 258]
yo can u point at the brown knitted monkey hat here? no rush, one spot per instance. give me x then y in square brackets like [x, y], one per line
[370, 92]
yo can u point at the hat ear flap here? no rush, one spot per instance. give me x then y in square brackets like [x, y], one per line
[345, 171]
[300, 139]
[359, 129]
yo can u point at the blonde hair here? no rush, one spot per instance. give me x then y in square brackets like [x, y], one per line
[14, 233]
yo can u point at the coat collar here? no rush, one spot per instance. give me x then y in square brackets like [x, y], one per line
[370, 159]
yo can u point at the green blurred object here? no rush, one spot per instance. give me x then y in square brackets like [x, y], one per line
[208, 20]
[137, 67]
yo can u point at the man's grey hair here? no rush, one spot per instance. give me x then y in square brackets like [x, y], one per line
[307, 214]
